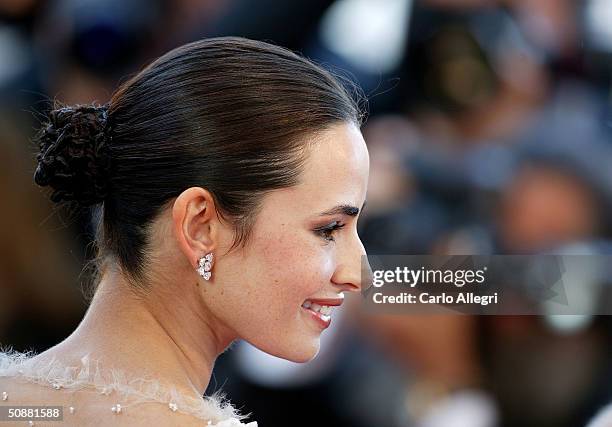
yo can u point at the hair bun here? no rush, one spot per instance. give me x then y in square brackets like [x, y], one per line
[73, 158]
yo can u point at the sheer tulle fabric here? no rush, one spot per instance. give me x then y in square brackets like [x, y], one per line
[130, 391]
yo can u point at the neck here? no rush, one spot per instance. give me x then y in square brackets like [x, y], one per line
[168, 333]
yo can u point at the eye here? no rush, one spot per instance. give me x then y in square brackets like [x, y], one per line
[327, 232]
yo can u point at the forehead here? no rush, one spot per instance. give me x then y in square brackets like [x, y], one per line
[336, 168]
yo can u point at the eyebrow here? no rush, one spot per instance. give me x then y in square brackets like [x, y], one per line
[344, 209]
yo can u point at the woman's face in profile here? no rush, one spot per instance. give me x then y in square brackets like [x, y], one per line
[297, 253]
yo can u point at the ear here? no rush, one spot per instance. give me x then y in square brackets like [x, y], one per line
[193, 215]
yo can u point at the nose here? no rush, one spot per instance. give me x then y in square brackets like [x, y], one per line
[351, 260]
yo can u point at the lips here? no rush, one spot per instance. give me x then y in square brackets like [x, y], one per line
[321, 319]
[320, 309]
[326, 301]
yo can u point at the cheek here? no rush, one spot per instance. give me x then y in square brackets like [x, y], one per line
[283, 270]
[295, 266]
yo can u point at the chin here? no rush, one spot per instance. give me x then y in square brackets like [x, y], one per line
[304, 352]
[307, 350]
[303, 357]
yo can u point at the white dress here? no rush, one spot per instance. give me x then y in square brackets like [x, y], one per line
[603, 418]
[113, 391]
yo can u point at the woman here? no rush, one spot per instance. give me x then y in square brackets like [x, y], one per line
[225, 180]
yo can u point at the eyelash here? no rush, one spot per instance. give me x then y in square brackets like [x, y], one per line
[327, 231]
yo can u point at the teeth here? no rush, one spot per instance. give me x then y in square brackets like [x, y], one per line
[323, 309]
[326, 310]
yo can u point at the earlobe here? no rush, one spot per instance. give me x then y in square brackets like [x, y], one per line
[191, 216]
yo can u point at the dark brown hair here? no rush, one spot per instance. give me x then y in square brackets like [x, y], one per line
[228, 114]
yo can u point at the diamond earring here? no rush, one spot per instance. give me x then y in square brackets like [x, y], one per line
[205, 265]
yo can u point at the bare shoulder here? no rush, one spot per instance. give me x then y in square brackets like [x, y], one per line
[84, 408]
[154, 414]
[13, 390]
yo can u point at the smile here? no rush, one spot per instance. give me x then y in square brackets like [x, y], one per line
[320, 313]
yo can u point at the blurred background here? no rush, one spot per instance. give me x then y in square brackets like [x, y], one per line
[489, 132]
